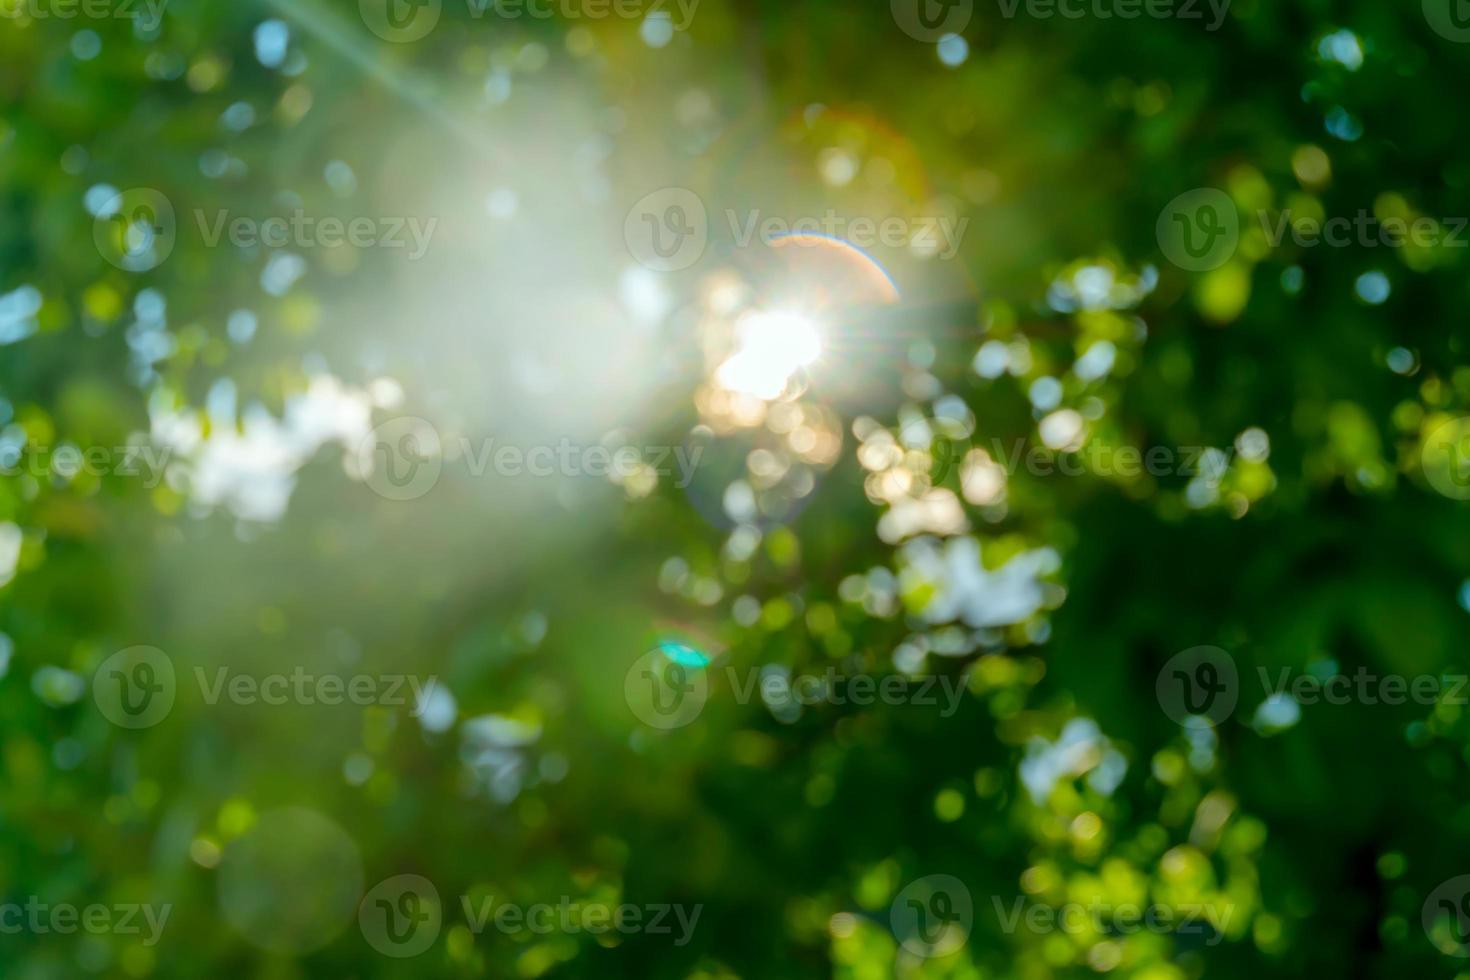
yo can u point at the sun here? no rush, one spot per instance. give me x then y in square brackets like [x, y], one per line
[771, 347]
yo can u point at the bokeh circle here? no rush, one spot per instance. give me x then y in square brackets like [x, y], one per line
[291, 883]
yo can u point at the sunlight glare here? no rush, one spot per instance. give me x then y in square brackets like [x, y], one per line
[772, 345]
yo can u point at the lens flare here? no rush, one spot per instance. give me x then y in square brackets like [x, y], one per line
[683, 654]
[771, 346]
[830, 272]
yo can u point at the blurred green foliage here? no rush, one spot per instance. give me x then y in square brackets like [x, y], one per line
[527, 140]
